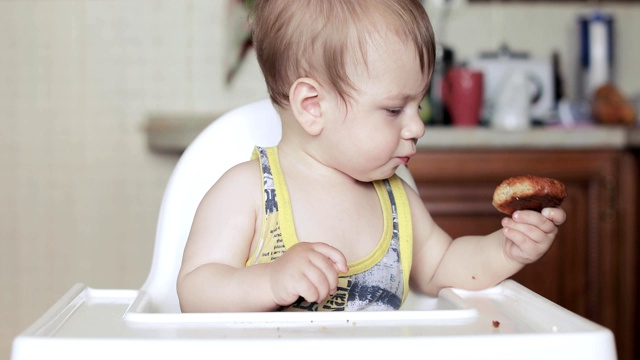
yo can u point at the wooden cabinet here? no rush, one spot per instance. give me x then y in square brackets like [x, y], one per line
[591, 268]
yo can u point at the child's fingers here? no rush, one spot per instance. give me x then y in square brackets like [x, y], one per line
[520, 246]
[320, 281]
[334, 255]
[524, 247]
[532, 218]
[556, 215]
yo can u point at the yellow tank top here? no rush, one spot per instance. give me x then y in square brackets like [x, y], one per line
[380, 281]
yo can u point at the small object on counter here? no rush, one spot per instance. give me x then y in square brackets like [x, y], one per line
[558, 79]
[462, 94]
[528, 192]
[597, 39]
[438, 113]
[611, 108]
[499, 67]
[512, 103]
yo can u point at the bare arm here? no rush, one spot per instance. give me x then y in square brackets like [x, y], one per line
[477, 262]
[214, 277]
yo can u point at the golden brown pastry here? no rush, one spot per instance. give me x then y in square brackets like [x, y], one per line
[528, 192]
[611, 108]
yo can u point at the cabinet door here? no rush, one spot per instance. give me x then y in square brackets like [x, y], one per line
[590, 267]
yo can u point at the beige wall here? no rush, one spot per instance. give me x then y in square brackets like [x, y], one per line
[79, 190]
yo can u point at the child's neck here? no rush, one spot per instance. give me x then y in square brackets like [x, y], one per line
[321, 195]
[303, 162]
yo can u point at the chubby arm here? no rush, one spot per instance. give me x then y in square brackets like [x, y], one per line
[218, 246]
[477, 262]
[213, 276]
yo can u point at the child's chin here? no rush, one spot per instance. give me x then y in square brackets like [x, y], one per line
[385, 175]
[379, 174]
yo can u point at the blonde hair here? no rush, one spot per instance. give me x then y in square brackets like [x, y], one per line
[311, 38]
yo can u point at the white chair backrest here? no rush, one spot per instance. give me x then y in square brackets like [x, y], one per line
[227, 141]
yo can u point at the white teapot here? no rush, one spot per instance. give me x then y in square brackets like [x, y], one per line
[511, 103]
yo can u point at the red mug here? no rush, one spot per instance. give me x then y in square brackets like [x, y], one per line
[462, 94]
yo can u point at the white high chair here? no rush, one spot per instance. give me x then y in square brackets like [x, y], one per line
[504, 322]
[228, 141]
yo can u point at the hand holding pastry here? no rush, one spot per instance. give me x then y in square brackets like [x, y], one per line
[533, 204]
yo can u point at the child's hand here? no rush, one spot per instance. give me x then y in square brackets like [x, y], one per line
[529, 234]
[306, 269]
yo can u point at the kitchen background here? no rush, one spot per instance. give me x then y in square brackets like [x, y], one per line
[79, 80]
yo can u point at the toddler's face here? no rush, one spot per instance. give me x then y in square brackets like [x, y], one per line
[379, 129]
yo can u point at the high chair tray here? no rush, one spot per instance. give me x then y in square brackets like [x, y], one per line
[505, 322]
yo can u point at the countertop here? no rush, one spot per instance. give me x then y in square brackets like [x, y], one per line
[594, 137]
[174, 134]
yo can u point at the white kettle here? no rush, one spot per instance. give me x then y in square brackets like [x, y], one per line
[511, 103]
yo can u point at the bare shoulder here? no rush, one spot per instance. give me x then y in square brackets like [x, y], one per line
[244, 172]
[415, 202]
[425, 229]
[240, 181]
[235, 197]
[224, 224]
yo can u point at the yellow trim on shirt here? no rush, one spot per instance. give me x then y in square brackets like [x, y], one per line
[405, 228]
[287, 225]
[403, 210]
[285, 213]
[385, 240]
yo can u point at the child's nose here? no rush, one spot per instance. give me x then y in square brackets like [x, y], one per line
[414, 129]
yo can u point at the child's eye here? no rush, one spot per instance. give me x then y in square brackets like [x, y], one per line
[394, 111]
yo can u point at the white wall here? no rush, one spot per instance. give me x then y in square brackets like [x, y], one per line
[78, 78]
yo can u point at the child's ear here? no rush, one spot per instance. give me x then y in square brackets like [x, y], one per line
[304, 98]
